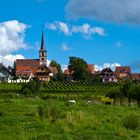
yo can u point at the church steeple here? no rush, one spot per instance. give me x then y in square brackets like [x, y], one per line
[42, 42]
[42, 51]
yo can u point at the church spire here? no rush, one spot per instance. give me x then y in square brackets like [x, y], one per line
[42, 51]
[42, 42]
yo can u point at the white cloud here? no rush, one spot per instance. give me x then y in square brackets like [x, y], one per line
[63, 27]
[60, 26]
[12, 35]
[106, 65]
[9, 59]
[121, 11]
[12, 38]
[65, 47]
[86, 29]
[64, 67]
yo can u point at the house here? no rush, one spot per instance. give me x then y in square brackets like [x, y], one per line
[91, 70]
[68, 74]
[29, 68]
[123, 71]
[4, 73]
[54, 71]
[107, 75]
[135, 77]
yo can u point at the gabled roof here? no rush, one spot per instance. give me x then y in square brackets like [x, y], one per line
[123, 69]
[3, 67]
[23, 65]
[106, 70]
[44, 67]
[32, 63]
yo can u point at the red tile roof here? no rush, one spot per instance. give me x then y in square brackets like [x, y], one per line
[91, 68]
[123, 69]
[135, 76]
[23, 65]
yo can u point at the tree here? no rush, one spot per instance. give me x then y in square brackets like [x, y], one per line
[97, 79]
[115, 94]
[80, 68]
[125, 88]
[33, 87]
[59, 76]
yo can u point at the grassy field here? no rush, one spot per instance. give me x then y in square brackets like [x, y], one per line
[34, 118]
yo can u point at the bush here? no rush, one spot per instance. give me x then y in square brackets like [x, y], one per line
[33, 87]
[131, 121]
[115, 94]
[106, 100]
[134, 93]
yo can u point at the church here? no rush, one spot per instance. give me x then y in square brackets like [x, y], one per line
[29, 68]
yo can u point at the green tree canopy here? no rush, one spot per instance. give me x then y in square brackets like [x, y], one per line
[80, 68]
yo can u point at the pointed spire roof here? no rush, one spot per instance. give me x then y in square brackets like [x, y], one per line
[42, 42]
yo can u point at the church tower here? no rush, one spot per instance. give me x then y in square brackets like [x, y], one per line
[43, 52]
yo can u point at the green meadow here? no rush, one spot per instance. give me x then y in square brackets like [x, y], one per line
[50, 116]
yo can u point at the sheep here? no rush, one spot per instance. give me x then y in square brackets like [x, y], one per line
[72, 101]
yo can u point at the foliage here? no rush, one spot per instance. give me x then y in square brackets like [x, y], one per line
[33, 87]
[96, 78]
[80, 68]
[59, 76]
[131, 121]
[125, 87]
[134, 92]
[106, 100]
[115, 94]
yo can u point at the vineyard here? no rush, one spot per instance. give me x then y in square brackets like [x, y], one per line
[86, 86]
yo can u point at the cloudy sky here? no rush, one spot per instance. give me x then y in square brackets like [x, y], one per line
[105, 33]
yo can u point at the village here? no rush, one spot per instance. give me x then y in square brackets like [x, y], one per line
[26, 69]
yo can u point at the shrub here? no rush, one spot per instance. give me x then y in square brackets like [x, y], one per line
[131, 121]
[106, 100]
[134, 93]
[114, 94]
[33, 87]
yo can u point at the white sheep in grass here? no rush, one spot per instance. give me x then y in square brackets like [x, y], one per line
[72, 101]
[89, 102]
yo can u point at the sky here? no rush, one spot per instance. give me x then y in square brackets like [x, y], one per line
[104, 33]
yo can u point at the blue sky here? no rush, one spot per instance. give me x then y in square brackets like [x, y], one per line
[90, 29]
